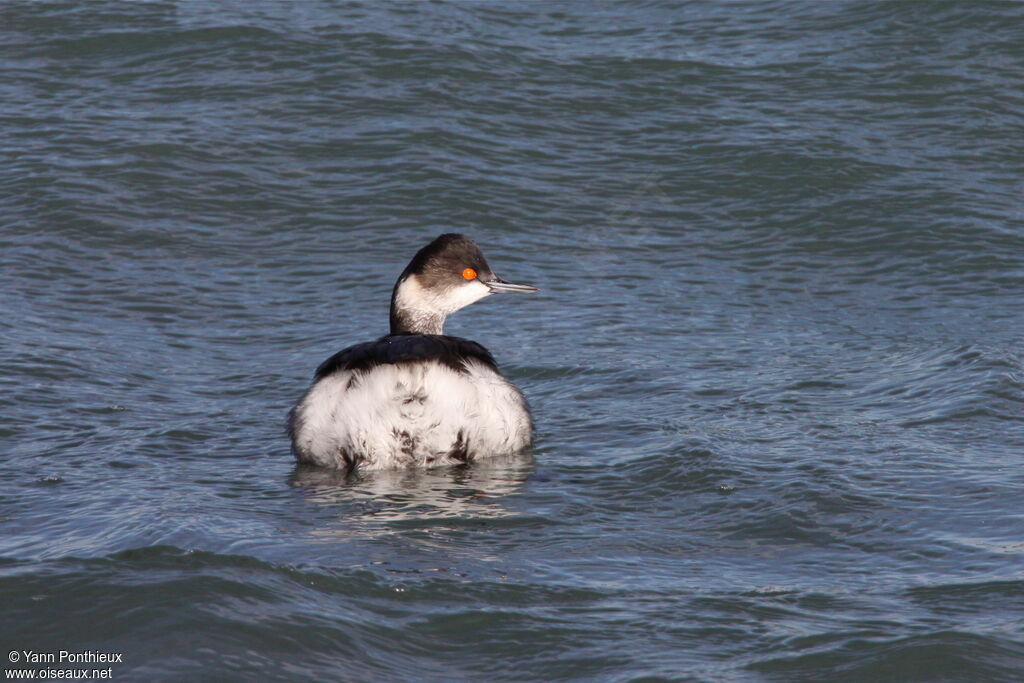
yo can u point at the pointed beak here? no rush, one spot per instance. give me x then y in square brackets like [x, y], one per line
[499, 286]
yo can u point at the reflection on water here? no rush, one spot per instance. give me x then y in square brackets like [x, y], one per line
[465, 492]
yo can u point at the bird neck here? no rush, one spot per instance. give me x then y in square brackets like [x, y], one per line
[411, 321]
[413, 311]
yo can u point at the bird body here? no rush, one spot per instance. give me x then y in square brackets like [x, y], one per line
[416, 397]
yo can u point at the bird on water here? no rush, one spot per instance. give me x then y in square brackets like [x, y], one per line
[416, 397]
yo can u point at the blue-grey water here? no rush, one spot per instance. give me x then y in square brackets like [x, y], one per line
[776, 364]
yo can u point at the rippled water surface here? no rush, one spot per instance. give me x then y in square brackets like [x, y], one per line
[776, 363]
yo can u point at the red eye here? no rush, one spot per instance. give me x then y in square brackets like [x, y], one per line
[469, 274]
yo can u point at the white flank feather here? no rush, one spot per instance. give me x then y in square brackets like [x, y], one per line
[418, 414]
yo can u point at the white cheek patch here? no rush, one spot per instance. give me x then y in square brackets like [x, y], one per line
[413, 296]
[461, 296]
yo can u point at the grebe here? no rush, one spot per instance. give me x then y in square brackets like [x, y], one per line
[416, 397]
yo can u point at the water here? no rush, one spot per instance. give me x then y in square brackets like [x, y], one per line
[776, 364]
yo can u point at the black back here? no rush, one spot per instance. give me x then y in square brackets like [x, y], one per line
[407, 348]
